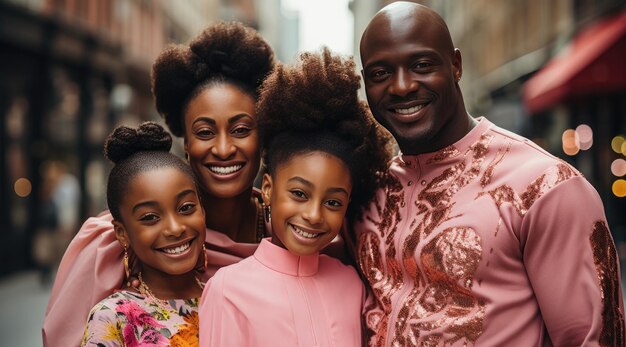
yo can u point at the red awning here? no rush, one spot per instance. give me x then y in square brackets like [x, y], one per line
[594, 63]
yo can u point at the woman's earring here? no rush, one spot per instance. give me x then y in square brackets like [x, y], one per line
[267, 213]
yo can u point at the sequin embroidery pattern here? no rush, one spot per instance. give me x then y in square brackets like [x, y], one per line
[549, 179]
[486, 179]
[444, 154]
[605, 260]
[439, 306]
[384, 276]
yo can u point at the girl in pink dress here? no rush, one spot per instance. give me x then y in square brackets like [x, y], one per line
[322, 152]
[156, 211]
[206, 91]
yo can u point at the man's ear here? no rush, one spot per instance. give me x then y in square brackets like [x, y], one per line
[120, 233]
[266, 188]
[457, 64]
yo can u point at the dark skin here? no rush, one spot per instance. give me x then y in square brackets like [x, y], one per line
[220, 133]
[156, 219]
[411, 72]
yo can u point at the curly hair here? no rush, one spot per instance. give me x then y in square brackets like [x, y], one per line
[314, 106]
[134, 151]
[226, 52]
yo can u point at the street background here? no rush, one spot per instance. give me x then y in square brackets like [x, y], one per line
[72, 70]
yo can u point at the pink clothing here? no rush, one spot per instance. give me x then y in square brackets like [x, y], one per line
[490, 241]
[91, 269]
[275, 298]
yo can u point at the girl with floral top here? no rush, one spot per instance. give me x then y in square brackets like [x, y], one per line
[157, 214]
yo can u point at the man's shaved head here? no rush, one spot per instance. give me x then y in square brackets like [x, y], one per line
[399, 14]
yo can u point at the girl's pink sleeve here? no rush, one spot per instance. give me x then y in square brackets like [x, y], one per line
[91, 269]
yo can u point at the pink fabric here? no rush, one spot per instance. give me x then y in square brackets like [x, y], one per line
[278, 299]
[490, 241]
[91, 269]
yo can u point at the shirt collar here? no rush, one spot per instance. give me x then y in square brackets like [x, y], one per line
[283, 261]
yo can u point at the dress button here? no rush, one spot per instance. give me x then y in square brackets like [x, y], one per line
[423, 182]
[409, 183]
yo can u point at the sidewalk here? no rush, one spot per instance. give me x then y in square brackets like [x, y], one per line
[23, 303]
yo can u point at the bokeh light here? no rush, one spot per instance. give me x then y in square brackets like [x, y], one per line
[619, 188]
[623, 148]
[571, 142]
[22, 187]
[585, 136]
[618, 167]
[617, 142]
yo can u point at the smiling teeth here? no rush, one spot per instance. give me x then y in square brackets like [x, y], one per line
[177, 250]
[409, 110]
[225, 170]
[304, 233]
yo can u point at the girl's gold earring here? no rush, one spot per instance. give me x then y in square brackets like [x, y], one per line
[126, 266]
[206, 259]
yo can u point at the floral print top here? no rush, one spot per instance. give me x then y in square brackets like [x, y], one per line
[127, 319]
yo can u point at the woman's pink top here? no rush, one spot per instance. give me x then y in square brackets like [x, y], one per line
[92, 269]
[275, 298]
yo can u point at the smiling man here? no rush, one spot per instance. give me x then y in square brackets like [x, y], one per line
[477, 236]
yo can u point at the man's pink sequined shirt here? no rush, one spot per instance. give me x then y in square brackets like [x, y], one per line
[490, 242]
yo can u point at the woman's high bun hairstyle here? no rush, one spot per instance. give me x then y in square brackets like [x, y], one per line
[226, 52]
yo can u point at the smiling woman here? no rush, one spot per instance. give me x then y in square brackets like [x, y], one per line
[156, 214]
[221, 139]
[207, 93]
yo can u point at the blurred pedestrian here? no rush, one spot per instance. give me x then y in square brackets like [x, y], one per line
[66, 195]
[60, 202]
[44, 246]
[478, 236]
